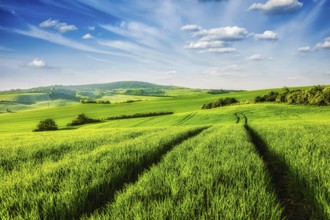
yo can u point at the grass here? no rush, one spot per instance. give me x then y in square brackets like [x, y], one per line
[304, 147]
[64, 180]
[218, 173]
[201, 182]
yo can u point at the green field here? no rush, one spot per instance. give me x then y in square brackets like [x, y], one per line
[193, 164]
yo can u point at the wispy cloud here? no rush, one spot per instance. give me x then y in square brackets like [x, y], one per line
[206, 44]
[258, 57]
[56, 24]
[232, 71]
[137, 31]
[91, 28]
[58, 39]
[191, 27]
[305, 49]
[222, 50]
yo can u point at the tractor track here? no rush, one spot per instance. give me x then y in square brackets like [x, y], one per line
[294, 205]
[186, 118]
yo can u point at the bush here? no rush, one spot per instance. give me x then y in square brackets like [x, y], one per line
[90, 101]
[139, 115]
[46, 125]
[220, 103]
[82, 119]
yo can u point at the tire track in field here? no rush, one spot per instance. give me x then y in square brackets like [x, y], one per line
[238, 118]
[95, 203]
[295, 205]
[186, 118]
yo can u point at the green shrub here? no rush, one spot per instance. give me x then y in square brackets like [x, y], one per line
[82, 119]
[317, 95]
[220, 103]
[46, 125]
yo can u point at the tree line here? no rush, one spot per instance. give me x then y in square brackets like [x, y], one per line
[317, 95]
[220, 102]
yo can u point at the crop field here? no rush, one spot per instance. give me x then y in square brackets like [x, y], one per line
[303, 150]
[216, 175]
[243, 161]
[60, 178]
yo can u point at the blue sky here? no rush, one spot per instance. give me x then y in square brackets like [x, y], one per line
[230, 44]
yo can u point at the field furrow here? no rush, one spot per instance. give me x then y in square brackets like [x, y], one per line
[301, 152]
[216, 175]
[82, 183]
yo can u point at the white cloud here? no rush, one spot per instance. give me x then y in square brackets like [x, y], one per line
[49, 23]
[222, 50]
[267, 35]
[57, 25]
[37, 63]
[205, 44]
[223, 33]
[256, 57]
[87, 36]
[277, 6]
[191, 27]
[304, 49]
[324, 45]
[215, 40]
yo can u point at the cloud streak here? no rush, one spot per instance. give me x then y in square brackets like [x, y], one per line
[57, 25]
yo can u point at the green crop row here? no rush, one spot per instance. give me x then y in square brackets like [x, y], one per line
[304, 147]
[82, 180]
[216, 175]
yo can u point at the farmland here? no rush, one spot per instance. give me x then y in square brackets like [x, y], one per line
[192, 164]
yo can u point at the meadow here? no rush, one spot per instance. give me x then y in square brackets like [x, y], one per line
[192, 164]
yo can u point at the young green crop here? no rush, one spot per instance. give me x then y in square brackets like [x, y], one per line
[216, 175]
[304, 146]
[81, 180]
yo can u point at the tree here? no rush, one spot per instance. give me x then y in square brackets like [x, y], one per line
[82, 119]
[46, 125]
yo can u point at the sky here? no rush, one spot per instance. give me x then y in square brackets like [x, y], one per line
[215, 44]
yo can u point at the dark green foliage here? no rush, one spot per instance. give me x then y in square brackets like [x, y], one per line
[317, 95]
[217, 91]
[46, 125]
[63, 94]
[220, 103]
[145, 92]
[138, 115]
[82, 119]
[90, 101]
[221, 91]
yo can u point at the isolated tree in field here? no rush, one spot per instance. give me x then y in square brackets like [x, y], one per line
[46, 125]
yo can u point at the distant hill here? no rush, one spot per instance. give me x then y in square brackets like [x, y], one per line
[105, 86]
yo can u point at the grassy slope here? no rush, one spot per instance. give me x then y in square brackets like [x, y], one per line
[187, 112]
[183, 105]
